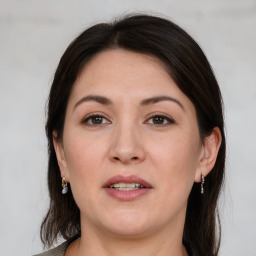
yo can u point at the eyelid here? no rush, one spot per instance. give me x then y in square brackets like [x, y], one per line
[94, 114]
[165, 116]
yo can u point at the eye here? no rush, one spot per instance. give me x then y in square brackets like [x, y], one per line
[160, 120]
[95, 120]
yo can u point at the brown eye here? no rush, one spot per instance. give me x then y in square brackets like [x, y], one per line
[160, 120]
[95, 120]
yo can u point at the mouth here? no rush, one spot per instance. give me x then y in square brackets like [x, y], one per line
[131, 182]
[127, 188]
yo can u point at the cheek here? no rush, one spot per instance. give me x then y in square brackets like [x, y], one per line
[176, 160]
[82, 150]
[84, 156]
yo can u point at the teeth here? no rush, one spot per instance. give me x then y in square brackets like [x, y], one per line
[126, 186]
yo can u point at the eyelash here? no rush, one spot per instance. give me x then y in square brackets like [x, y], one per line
[88, 118]
[165, 118]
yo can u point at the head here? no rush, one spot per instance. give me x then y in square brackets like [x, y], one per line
[170, 55]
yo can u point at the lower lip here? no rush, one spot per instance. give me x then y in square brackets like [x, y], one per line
[127, 195]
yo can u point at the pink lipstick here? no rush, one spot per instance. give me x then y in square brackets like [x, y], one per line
[127, 188]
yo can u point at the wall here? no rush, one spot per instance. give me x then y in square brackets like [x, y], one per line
[34, 34]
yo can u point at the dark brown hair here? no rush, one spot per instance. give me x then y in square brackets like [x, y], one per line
[189, 68]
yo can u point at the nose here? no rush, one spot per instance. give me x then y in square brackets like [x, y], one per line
[127, 146]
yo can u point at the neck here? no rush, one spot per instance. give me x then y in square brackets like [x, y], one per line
[99, 242]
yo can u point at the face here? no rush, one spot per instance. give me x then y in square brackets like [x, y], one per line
[131, 148]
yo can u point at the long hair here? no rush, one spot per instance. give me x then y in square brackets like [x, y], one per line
[189, 68]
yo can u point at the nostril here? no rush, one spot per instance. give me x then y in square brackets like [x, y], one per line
[135, 158]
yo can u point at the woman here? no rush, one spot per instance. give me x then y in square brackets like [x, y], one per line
[136, 144]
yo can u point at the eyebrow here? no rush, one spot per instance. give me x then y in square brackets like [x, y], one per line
[105, 101]
[157, 99]
[100, 99]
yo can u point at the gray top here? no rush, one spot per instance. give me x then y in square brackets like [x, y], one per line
[59, 250]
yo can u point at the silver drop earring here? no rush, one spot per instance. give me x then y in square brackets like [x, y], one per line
[202, 183]
[64, 186]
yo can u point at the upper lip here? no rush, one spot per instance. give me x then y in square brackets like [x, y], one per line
[126, 179]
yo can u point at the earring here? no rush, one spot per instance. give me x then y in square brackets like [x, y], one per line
[202, 183]
[64, 186]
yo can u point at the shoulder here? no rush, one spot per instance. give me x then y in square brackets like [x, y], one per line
[57, 251]
[61, 249]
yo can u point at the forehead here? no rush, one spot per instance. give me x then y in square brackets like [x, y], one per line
[126, 71]
[120, 56]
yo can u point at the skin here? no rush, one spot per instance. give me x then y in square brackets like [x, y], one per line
[127, 140]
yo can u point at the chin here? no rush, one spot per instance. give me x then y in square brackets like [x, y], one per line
[131, 231]
[131, 224]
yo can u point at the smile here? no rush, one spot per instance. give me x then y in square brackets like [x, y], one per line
[126, 186]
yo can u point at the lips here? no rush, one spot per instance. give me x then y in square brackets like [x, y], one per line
[127, 188]
[127, 179]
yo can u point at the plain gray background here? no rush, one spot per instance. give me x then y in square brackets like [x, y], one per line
[33, 36]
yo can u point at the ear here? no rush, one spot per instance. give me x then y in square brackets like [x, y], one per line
[60, 154]
[208, 154]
